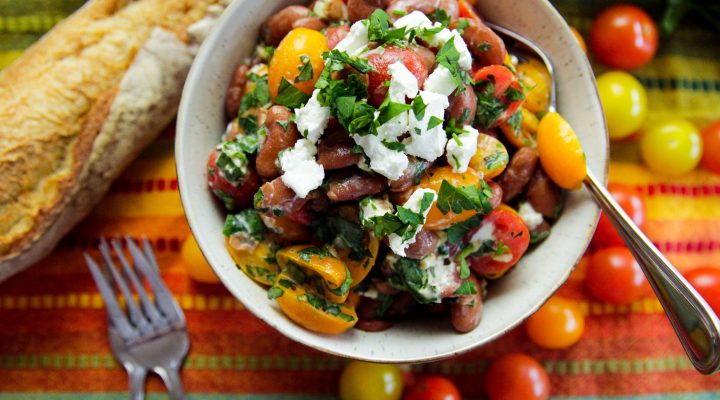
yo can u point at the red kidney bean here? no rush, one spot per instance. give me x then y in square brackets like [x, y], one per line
[466, 311]
[425, 242]
[497, 194]
[426, 55]
[335, 34]
[279, 24]
[462, 104]
[279, 200]
[373, 325]
[278, 139]
[396, 7]
[311, 22]
[544, 195]
[412, 173]
[518, 173]
[349, 185]
[335, 150]
[236, 91]
[484, 44]
[361, 9]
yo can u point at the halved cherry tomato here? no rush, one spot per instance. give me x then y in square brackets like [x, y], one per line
[433, 387]
[632, 203]
[561, 155]
[537, 79]
[497, 84]
[516, 376]
[334, 274]
[558, 324]
[499, 241]
[377, 78]
[525, 134]
[614, 276]
[706, 280]
[433, 179]
[368, 381]
[299, 44]
[711, 147]
[491, 157]
[236, 194]
[360, 268]
[623, 36]
[255, 259]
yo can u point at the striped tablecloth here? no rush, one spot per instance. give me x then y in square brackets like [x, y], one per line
[53, 341]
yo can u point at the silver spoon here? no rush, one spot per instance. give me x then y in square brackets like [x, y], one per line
[695, 323]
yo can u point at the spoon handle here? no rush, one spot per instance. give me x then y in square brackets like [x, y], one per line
[695, 323]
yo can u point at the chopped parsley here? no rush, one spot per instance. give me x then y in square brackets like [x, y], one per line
[395, 146]
[419, 107]
[274, 292]
[455, 233]
[325, 306]
[433, 122]
[466, 288]
[232, 161]
[459, 198]
[410, 277]
[390, 109]
[306, 70]
[448, 56]
[379, 29]
[405, 223]
[333, 229]
[290, 96]
[259, 96]
[247, 221]
[320, 252]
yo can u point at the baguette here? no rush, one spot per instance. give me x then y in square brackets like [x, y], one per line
[80, 105]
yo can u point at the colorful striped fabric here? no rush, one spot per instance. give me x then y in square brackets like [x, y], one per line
[53, 342]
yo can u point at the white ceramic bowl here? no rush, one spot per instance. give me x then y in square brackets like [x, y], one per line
[513, 298]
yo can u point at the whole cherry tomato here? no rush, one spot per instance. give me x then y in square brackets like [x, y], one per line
[614, 276]
[380, 62]
[195, 264]
[623, 36]
[432, 388]
[368, 381]
[706, 280]
[558, 324]
[497, 83]
[632, 203]
[671, 146]
[300, 47]
[517, 376]
[624, 102]
[500, 240]
[231, 178]
[711, 147]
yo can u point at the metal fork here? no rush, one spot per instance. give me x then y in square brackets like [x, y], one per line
[152, 335]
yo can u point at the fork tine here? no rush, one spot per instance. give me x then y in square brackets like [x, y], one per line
[136, 316]
[163, 298]
[116, 315]
[150, 310]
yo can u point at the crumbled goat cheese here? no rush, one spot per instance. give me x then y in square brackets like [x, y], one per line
[414, 20]
[389, 163]
[532, 218]
[425, 143]
[439, 39]
[485, 233]
[442, 275]
[396, 242]
[402, 83]
[440, 81]
[459, 155]
[312, 119]
[302, 173]
[356, 41]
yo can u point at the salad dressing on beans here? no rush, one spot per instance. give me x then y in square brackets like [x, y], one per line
[374, 161]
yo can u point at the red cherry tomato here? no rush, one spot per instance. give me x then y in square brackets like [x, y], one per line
[433, 388]
[499, 82]
[235, 195]
[517, 376]
[633, 204]
[711, 147]
[706, 280]
[379, 75]
[496, 253]
[335, 34]
[623, 36]
[614, 276]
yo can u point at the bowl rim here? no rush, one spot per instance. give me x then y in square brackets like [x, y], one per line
[193, 82]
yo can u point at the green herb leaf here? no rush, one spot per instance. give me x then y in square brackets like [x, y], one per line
[274, 292]
[466, 288]
[320, 252]
[390, 110]
[379, 24]
[259, 96]
[457, 232]
[461, 198]
[232, 161]
[306, 70]
[434, 121]
[290, 96]
[333, 229]
[410, 277]
[419, 107]
[409, 217]
[247, 221]
[395, 146]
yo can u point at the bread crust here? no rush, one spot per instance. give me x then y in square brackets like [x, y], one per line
[78, 107]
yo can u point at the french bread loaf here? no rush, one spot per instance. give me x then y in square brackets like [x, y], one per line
[80, 105]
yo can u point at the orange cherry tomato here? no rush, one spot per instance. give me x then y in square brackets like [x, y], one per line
[711, 147]
[509, 240]
[195, 263]
[623, 36]
[706, 280]
[556, 325]
[517, 376]
[433, 388]
[436, 220]
[561, 155]
[614, 276]
[491, 157]
[632, 203]
[299, 44]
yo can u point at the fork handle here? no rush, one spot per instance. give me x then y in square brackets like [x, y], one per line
[172, 381]
[137, 377]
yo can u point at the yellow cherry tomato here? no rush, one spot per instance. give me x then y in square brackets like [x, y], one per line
[195, 263]
[369, 381]
[561, 155]
[556, 325]
[536, 78]
[624, 102]
[255, 259]
[436, 220]
[334, 275]
[360, 268]
[671, 146]
[300, 44]
[524, 134]
[579, 39]
[309, 309]
[491, 157]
